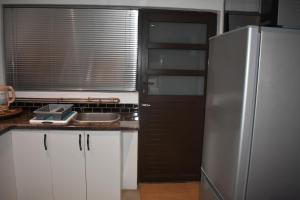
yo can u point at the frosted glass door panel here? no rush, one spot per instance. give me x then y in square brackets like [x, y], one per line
[177, 59]
[176, 85]
[180, 33]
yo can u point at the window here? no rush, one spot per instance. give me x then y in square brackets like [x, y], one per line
[60, 48]
[175, 45]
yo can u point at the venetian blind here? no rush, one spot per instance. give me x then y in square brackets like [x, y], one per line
[71, 48]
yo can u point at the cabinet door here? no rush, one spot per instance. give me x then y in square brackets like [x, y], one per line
[32, 165]
[103, 165]
[68, 165]
[129, 159]
[8, 190]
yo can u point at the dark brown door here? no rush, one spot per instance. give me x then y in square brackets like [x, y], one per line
[173, 49]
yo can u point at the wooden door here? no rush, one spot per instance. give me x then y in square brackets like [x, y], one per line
[173, 54]
[32, 165]
[103, 165]
[68, 164]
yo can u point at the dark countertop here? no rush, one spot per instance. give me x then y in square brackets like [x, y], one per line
[21, 121]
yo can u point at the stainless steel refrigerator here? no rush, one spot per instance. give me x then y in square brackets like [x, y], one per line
[252, 125]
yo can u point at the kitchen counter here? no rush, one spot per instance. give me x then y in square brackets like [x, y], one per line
[127, 122]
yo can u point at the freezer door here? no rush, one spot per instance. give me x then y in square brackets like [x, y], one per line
[275, 162]
[229, 110]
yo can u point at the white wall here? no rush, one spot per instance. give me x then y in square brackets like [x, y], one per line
[125, 97]
[216, 5]
[194, 5]
[243, 5]
[204, 5]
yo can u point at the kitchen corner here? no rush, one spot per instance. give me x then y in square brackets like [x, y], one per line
[149, 100]
[75, 154]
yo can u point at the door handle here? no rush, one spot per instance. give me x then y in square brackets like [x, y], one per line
[80, 146]
[45, 142]
[88, 141]
[145, 105]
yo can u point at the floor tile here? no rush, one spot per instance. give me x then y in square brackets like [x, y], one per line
[170, 191]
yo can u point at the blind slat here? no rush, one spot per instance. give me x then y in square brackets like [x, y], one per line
[71, 48]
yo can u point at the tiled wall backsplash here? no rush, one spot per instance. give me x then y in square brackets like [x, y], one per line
[120, 108]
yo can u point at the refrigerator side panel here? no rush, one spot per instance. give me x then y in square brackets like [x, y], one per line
[207, 190]
[230, 96]
[275, 162]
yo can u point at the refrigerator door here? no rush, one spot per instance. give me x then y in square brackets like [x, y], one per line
[274, 172]
[231, 88]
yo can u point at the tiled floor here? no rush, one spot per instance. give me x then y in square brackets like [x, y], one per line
[165, 191]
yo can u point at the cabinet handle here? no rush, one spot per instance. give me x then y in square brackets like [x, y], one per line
[80, 146]
[88, 142]
[45, 142]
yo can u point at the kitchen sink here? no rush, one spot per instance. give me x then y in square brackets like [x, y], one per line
[84, 118]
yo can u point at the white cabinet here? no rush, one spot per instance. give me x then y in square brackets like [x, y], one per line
[60, 165]
[8, 190]
[32, 165]
[103, 165]
[242, 5]
[129, 159]
[68, 164]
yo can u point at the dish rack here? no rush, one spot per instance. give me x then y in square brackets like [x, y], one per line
[53, 111]
[60, 114]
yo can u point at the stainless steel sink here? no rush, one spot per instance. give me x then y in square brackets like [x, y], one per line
[97, 118]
